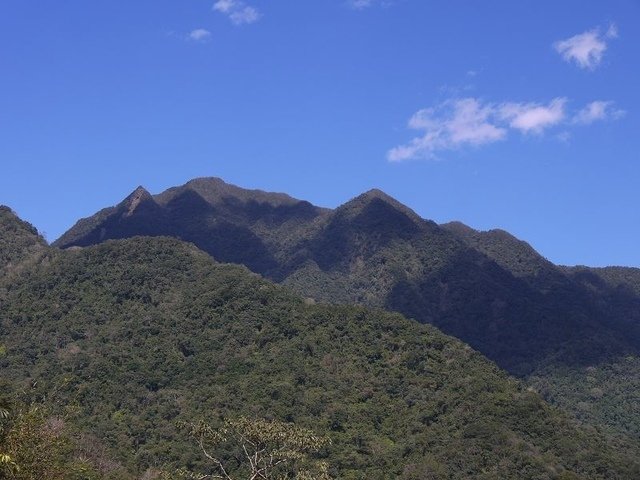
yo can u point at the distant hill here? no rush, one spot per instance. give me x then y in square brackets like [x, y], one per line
[19, 240]
[136, 334]
[489, 289]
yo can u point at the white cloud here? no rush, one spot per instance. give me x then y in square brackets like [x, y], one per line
[464, 122]
[470, 124]
[238, 12]
[451, 124]
[533, 117]
[199, 35]
[225, 6]
[598, 110]
[586, 49]
[245, 15]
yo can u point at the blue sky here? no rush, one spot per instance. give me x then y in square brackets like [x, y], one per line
[516, 115]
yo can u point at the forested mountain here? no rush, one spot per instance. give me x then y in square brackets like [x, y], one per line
[19, 241]
[604, 392]
[134, 335]
[487, 288]
[491, 290]
[607, 278]
[234, 225]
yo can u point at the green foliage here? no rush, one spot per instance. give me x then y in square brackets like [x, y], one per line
[606, 394]
[146, 332]
[19, 241]
[617, 278]
[489, 289]
[35, 444]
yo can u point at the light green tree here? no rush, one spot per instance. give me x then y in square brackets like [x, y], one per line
[259, 449]
[35, 445]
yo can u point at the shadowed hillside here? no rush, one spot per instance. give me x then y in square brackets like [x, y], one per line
[144, 332]
[489, 289]
[232, 224]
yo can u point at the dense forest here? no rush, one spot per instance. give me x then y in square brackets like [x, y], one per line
[125, 341]
[551, 326]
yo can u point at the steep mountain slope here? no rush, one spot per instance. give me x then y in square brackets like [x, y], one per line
[489, 289]
[604, 392]
[510, 253]
[234, 225]
[142, 332]
[380, 253]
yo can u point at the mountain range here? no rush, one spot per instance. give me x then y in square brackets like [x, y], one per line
[131, 335]
[489, 289]
[572, 332]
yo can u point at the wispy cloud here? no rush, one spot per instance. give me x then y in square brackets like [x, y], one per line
[586, 49]
[225, 6]
[238, 12]
[199, 35]
[533, 117]
[597, 111]
[362, 4]
[470, 122]
[451, 124]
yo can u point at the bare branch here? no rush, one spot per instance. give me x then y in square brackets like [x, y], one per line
[214, 460]
[267, 448]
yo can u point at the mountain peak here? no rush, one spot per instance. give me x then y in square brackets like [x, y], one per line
[216, 191]
[206, 180]
[139, 196]
[367, 199]
[376, 193]
[460, 229]
[139, 192]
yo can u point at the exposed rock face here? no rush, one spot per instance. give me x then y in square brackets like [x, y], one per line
[133, 201]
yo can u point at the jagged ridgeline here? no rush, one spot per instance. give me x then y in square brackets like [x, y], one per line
[137, 334]
[233, 224]
[487, 288]
[575, 332]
